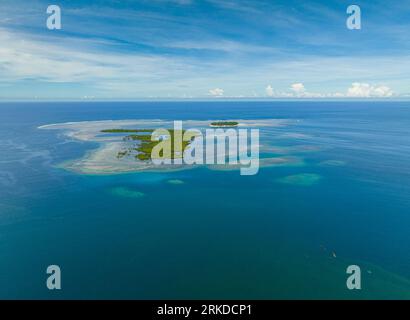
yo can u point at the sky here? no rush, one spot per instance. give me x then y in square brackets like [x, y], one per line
[204, 49]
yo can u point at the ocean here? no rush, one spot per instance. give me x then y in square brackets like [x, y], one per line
[288, 232]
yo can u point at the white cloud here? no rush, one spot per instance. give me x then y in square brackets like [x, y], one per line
[217, 92]
[219, 45]
[357, 90]
[365, 90]
[269, 91]
[298, 88]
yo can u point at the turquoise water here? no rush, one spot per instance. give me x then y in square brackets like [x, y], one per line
[287, 232]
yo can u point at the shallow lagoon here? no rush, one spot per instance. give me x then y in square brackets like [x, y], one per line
[106, 160]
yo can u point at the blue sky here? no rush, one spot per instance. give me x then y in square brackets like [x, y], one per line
[111, 49]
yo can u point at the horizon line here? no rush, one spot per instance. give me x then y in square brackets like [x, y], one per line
[219, 99]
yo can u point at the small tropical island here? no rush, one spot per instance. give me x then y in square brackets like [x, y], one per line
[143, 149]
[146, 144]
[224, 124]
[127, 146]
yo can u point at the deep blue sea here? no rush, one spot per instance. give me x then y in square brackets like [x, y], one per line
[219, 234]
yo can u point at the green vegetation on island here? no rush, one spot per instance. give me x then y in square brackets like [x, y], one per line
[121, 154]
[145, 145]
[224, 124]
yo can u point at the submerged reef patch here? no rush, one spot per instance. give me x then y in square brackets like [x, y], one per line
[302, 179]
[126, 192]
[175, 181]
